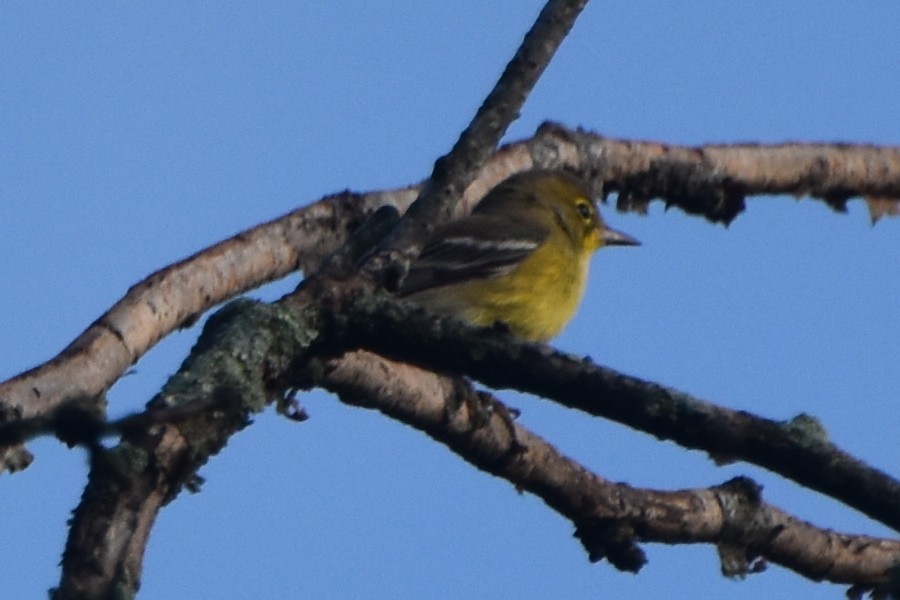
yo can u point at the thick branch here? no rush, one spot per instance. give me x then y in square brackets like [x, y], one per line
[714, 180]
[176, 295]
[798, 449]
[250, 353]
[243, 368]
[236, 369]
[610, 518]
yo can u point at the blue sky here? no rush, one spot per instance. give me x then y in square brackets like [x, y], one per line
[132, 135]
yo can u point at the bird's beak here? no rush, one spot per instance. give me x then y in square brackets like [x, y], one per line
[611, 237]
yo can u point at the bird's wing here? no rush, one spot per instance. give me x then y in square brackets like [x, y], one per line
[475, 247]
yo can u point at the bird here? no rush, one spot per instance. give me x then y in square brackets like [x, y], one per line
[520, 258]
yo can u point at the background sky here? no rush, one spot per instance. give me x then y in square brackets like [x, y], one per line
[134, 134]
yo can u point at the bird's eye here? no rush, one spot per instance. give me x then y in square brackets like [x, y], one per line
[584, 209]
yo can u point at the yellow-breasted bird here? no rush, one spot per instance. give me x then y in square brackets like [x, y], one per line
[520, 258]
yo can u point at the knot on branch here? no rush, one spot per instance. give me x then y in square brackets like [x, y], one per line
[806, 430]
[614, 540]
[889, 590]
[746, 529]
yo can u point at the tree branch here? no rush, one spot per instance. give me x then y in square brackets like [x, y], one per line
[251, 353]
[454, 172]
[798, 449]
[178, 294]
[237, 368]
[175, 297]
[714, 180]
[610, 518]
[163, 302]
[105, 547]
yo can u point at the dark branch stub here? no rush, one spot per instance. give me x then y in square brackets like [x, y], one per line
[614, 540]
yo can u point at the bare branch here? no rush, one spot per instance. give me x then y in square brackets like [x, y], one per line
[245, 365]
[177, 294]
[610, 518]
[251, 353]
[798, 449]
[238, 367]
[454, 172]
[714, 180]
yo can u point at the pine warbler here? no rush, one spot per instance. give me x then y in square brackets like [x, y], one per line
[520, 258]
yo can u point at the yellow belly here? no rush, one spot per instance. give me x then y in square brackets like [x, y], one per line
[536, 300]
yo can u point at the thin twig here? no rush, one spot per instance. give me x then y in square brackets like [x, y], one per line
[453, 172]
